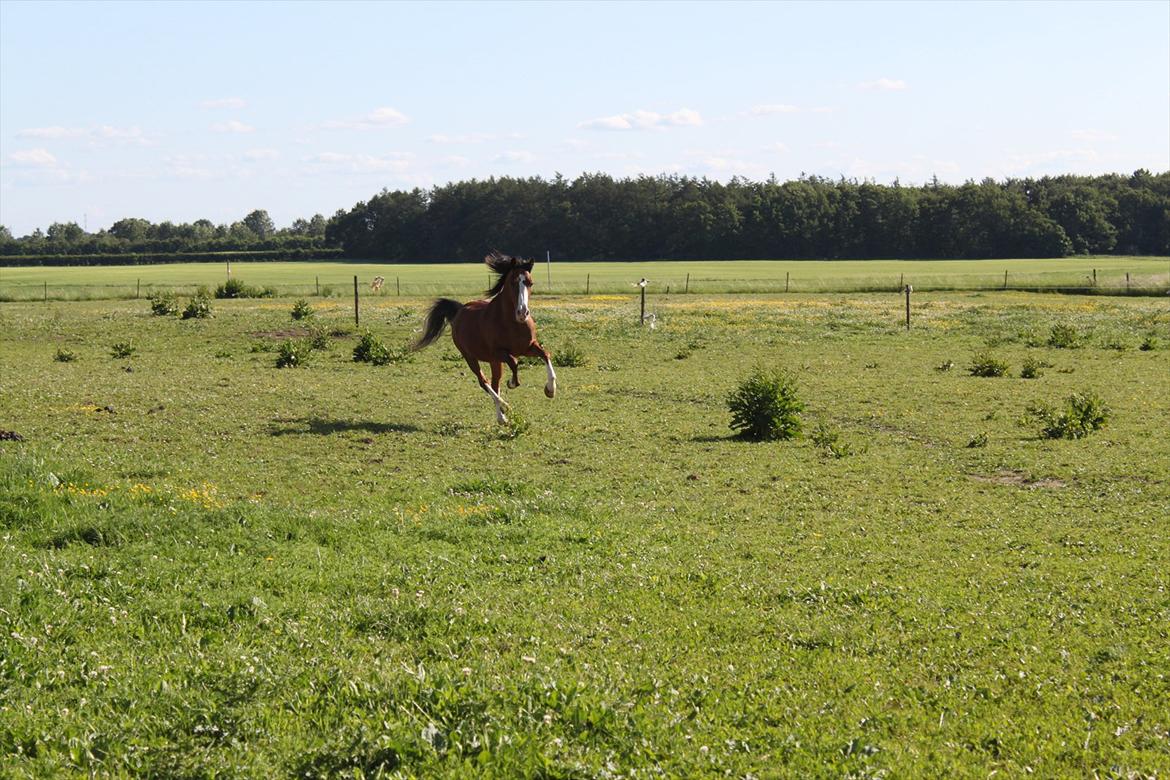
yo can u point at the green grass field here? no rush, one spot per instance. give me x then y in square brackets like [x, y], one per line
[744, 276]
[217, 568]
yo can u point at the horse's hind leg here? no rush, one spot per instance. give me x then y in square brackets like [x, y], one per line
[535, 350]
[494, 392]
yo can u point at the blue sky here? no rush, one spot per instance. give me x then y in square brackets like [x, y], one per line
[183, 111]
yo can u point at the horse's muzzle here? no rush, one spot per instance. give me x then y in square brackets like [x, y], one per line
[521, 315]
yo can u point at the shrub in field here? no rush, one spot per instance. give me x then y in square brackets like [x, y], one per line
[65, 355]
[1081, 414]
[1149, 343]
[765, 406]
[985, 364]
[326, 291]
[978, 440]
[122, 349]
[234, 288]
[1064, 336]
[301, 310]
[371, 349]
[830, 442]
[293, 353]
[946, 365]
[569, 356]
[164, 304]
[199, 307]
[318, 336]
[1031, 369]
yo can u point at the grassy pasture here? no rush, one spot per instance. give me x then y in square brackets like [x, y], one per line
[217, 568]
[465, 279]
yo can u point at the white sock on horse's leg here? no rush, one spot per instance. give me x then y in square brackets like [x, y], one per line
[550, 387]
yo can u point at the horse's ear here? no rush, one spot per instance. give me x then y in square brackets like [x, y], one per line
[527, 265]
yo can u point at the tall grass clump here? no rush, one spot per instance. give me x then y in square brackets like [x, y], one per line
[293, 353]
[1064, 336]
[765, 407]
[570, 356]
[1081, 414]
[371, 349]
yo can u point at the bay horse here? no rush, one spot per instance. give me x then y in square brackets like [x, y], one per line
[497, 330]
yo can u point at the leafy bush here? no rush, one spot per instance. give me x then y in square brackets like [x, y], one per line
[293, 353]
[765, 406]
[1064, 336]
[1149, 343]
[370, 349]
[199, 307]
[1031, 369]
[1081, 414]
[318, 336]
[122, 349]
[985, 364]
[65, 355]
[326, 291]
[946, 365]
[978, 440]
[830, 442]
[164, 304]
[301, 310]
[234, 288]
[570, 356]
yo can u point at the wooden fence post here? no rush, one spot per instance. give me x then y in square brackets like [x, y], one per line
[46, 292]
[909, 289]
[1127, 282]
[786, 275]
[687, 289]
[586, 284]
[398, 284]
[1094, 277]
[642, 318]
[355, 302]
[318, 279]
[1005, 279]
[138, 289]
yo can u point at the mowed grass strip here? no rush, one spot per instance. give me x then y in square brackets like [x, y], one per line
[220, 567]
[335, 279]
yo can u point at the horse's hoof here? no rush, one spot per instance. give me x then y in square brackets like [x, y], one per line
[513, 384]
[550, 391]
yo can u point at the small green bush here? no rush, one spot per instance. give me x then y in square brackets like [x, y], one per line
[978, 440]
[293, 353]
[1149, 344]
[830, 442]
[1081, 414]
[199, 307]
[985, 364]
[569, 356]
[319, 336]
[234, 288]
[946, 365]
[765, 406]
[370, 349]
[65, 355]
[122, 349]
[302, 310]
[1064, 336]
[1031, 369]
[164, 304]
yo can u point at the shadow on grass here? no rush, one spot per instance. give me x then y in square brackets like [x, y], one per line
[320, 427]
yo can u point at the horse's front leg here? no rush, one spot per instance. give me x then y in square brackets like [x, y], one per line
[497, 372]
[535, 350]
[514, 382]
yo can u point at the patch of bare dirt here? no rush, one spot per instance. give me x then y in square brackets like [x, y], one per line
[1019, 479]
[287, 333]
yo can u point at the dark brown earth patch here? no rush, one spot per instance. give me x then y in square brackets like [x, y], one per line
[1019, 479]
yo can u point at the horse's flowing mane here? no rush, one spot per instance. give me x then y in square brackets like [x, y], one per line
[503, 264]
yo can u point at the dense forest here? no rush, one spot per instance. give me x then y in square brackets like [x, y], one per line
[597, 217]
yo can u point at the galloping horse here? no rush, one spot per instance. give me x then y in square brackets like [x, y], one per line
[497, 330]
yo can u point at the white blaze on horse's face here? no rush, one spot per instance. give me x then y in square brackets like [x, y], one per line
[523, 283]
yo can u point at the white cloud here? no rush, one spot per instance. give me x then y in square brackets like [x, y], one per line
[1091, 136]
[33, 158]
[261, 154]
[778, 147]
[378, 119]
[774, 108]
[229, 102]
[98, 133]
[359, 163]
[472, 138]
[514, 157]
[456, 161]
[232, 126]
[644, 120]
[884, 85]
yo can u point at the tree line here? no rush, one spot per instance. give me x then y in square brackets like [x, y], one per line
[598, 217]
[256, 232]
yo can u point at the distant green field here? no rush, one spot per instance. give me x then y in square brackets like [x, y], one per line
[739, 276]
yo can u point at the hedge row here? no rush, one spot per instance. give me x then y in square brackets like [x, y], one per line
[151, 258]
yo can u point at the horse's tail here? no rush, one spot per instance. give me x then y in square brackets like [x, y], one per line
[440, 313]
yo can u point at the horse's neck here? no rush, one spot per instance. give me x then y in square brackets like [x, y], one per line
[505, 301]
